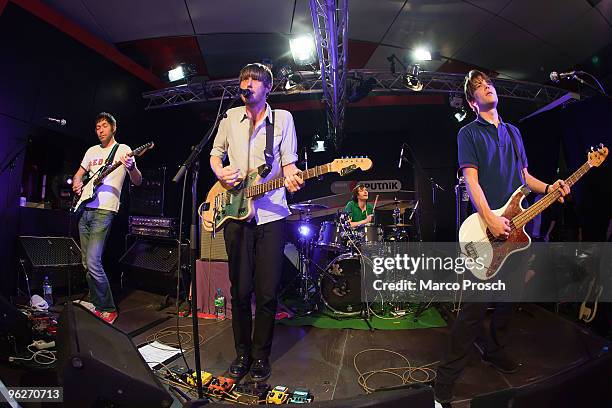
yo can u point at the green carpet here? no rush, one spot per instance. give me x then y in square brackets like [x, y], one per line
[430, 318]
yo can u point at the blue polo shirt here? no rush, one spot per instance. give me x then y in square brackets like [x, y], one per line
[489, 149]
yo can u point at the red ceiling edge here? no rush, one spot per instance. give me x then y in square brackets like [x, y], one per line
[370, 101]
[62, 23]
[3, 4]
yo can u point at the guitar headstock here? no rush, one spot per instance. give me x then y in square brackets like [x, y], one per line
[347, 165]
[597, 156]
[142, 149]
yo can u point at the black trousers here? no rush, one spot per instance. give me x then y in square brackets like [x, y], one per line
[255, 255]
[467, 328]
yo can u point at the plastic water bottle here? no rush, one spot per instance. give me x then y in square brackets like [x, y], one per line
[219, 305]
[48, 291]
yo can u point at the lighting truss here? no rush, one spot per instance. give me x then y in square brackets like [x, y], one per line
[386, 83]
[330, 23]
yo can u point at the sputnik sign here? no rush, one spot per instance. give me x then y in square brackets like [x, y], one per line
[373, 186]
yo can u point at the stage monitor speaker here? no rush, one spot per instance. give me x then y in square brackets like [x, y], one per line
[15, 330]
[587, 385]
[415, 396]
[59, 258]
[98, 365]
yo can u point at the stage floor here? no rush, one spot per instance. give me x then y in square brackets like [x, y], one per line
[323, 359]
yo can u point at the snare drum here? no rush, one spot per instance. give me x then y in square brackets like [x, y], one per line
[331, 237]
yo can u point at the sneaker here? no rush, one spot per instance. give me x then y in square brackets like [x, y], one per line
[108, 317]
[501, 361]
[443, 393]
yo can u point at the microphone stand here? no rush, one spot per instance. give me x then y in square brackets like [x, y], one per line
[192, 165]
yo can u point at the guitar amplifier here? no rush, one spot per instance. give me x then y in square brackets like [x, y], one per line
[153, 226]
[212, 248]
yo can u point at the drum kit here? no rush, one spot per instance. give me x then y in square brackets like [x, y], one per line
[336, 284]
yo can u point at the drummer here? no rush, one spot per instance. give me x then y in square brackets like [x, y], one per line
[359, 211]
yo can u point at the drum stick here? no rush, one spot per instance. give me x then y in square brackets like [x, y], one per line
[375, 202]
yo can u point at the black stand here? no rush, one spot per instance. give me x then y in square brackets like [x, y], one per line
[193, 165]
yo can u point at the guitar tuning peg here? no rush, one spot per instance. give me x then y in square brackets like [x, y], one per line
[592, 149]
[601, 145]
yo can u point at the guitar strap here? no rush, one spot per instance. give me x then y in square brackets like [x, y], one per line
[516, 152]
[266, 168]
[108, 161]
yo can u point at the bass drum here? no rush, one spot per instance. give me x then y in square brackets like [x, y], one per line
[341, 285]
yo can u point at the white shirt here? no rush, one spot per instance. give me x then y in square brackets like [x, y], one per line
[108, 194]
[245, 148]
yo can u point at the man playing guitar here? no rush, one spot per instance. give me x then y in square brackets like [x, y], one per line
[487, 150]
[255, 247]
[95, 222]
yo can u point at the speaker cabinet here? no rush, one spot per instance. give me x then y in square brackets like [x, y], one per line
[98, 365]
[59, 258]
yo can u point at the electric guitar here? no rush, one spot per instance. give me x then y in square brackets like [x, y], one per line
[476, 241]
[236, 203]
[91, 183]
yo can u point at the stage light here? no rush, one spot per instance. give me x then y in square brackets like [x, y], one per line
[181, 71]
[461, 114]
[305, 231]
[69, 181]
[318, 144]
[411, 78]
[176, 74]
[421, 54]
[360, 89]
[303, 50]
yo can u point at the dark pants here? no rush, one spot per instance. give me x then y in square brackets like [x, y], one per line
[469, 327]
[255, 254]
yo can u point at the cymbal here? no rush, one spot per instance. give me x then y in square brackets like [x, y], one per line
[398, 225]
[401, 204]
[307, 207]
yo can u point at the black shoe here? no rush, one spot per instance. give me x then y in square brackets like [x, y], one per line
[501, 362]
[443, 393]
[260, 369]
[239, 367]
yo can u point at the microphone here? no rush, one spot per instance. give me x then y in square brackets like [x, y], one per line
[556, 76]
[245, 92]
[61, 122]
[401, 157]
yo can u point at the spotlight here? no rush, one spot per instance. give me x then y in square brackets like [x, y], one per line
[318, 144]
[411, 79]
[461, 114]
[292, 79]
[303, 50]
[181, 71]
[455, 101]
[305, 231]
[421, 54]
[360, 89]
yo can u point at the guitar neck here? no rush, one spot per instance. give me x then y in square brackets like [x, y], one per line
[109, 170]
[279, 182]
[523, 218]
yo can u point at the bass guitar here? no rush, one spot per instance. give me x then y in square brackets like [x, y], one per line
[476, 241]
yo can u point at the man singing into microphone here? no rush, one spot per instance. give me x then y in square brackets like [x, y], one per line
[255, 247]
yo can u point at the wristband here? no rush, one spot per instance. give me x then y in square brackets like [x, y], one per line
[546, 189]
